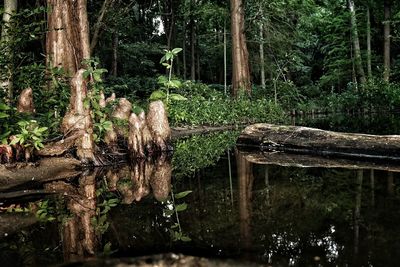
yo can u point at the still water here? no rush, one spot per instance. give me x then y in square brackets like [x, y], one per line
[210, 200]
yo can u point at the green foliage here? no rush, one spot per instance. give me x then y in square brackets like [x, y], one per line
[109, 201]
[168, 83]
[100, 118]
[210, 107]
[30, 135]
[172, 208]
[198, 151]
[45, 212]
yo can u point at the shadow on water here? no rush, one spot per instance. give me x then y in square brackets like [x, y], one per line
[212, 203]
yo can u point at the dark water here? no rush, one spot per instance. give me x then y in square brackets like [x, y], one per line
[274, 215]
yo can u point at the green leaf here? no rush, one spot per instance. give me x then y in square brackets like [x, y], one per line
[157, 95]
[181, 207]
[4, 107]
[176, 50]
[175, 84]
[177, 97]
[182, 194]
[185, 238]
[3, 115]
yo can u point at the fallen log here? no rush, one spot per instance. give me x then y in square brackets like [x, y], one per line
[47, 169]
[313, 161]
[304, 140]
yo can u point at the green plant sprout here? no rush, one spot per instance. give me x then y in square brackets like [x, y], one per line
[167, 83]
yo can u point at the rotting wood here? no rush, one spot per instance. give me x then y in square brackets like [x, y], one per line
[312, 161]
[304, 140]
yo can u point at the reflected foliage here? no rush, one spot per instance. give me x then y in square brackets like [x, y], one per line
[200, 151]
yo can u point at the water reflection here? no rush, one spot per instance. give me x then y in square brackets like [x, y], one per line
[281, 215]
[82, 230]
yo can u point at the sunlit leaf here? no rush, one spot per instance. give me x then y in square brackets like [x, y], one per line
[181, 207]
[157, 95]
[182, 194]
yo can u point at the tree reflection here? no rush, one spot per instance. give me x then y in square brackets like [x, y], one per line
[245, 178]
[82, 230]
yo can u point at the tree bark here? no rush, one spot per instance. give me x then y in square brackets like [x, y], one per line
[356, 43]
[304, 140]
[67, 41]
[184, 50]
[240, 55]
[67, 47]
[386, 33]
[10, 7]
[369, 65]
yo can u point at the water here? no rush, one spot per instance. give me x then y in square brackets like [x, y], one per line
[274, 215]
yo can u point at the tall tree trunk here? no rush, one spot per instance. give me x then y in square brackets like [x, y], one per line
[240, 55]
[67, 46]
[386, 48]
[193, 45]
[114, 65]
[262, 64]
[369, 65]
[10, 7]
[184, 50]
[356, 44]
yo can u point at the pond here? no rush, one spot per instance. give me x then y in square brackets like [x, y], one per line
[210, 200]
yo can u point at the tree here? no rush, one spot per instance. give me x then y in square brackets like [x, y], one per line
[240, 55]
[386, 46]
[10, 7]
[68, 47]
[356, 43]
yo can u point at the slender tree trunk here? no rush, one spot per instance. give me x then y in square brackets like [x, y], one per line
[193, 53]
[198, 60]
[184, 50]
[97, 27]
[356, 44]
[262, 64]
[386, 52]
[10, 7]
[240, 55]
[225, 62]
[67, 47]
[369, 65]
[114, 65]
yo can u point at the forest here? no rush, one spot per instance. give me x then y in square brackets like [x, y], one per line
[69, 69]
[199, 133]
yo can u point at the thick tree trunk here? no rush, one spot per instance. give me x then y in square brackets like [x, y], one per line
[67, 41]
[240, 55]
[369, 65]
[386, 35]
[67, 47]
[10, 7]
[356, 44]
[304, 140]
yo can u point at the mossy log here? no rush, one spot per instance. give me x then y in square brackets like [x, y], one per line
[304, 140]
